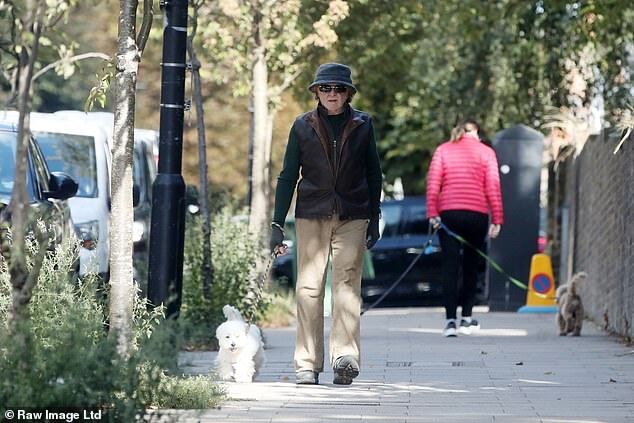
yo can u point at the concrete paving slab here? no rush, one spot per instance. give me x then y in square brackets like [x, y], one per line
[516, 369]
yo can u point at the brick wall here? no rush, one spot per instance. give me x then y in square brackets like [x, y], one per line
[598, 188]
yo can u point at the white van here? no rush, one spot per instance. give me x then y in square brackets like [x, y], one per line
[83, 152]
[145, 160]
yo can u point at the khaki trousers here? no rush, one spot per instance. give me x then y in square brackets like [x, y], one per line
[344, 242]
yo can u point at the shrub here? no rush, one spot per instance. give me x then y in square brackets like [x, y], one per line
[194, 392]
[279, 309]
[233, 255]
[66, 358]
[5, 291]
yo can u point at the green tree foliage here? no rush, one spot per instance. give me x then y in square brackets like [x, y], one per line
[419, 65]
[58, 54]
[227, 34]
[258, 46]
[422, 66]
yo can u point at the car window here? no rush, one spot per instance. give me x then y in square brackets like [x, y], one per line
[417, 223]
[7, 162]
[390, 219]
[8, 142]
[74, 155]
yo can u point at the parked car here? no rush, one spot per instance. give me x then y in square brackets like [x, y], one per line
[145, 155]
[144, 169]
[144, 172]
[47, 191]
[404, 234]
[284, 268]
[83, 152]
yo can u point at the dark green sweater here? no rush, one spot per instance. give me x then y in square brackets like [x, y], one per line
[287, 181]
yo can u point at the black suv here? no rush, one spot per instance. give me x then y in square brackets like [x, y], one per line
[47, 192]
[404, 235]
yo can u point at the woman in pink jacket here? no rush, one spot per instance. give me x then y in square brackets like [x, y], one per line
[463, 188]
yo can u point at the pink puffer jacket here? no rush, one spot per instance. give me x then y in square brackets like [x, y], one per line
[463, 175]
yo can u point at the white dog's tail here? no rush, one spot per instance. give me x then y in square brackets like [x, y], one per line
[576, 278]
[232, 313]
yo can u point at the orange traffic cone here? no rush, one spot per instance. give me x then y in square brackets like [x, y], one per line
[540, 297]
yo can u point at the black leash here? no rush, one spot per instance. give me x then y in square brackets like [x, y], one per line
[254, 296]
[425, 250]
[494, 265]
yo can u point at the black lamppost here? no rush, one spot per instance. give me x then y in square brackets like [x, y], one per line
[167, 231]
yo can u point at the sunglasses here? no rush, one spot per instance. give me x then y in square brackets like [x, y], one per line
[338, 88]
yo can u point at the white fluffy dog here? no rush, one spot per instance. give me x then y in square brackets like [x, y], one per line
[241, 351]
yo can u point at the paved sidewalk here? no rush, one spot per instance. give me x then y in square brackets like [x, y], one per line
[515, 369]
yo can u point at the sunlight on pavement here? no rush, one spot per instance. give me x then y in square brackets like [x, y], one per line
[403, 311]
[481, 332]
[361, 392]
[540, 382]
[430, 389]
[573, 421]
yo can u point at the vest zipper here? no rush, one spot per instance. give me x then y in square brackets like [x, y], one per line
[334, 156]
[335, 165]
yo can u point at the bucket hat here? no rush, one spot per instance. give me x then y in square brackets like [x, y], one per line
[333, 73]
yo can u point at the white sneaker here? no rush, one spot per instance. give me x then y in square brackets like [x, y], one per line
[467, 328]
[450, 330]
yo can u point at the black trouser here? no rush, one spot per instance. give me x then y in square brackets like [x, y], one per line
[472, 226]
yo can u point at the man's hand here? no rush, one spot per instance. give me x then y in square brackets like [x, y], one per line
[277, 239]
[494, 230]
[435, 222]
[372, 234]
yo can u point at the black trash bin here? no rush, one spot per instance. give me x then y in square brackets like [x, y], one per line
[519, 151]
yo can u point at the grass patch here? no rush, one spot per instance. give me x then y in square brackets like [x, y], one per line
[190, 392]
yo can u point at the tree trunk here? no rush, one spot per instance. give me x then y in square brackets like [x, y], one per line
[208, 269]
[250, 155]
[267, 155]
[22, 281]
[122, 289]
[259, 213]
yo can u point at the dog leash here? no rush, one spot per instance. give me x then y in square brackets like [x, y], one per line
[427, 249]
[491, 262]
[255, 296]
